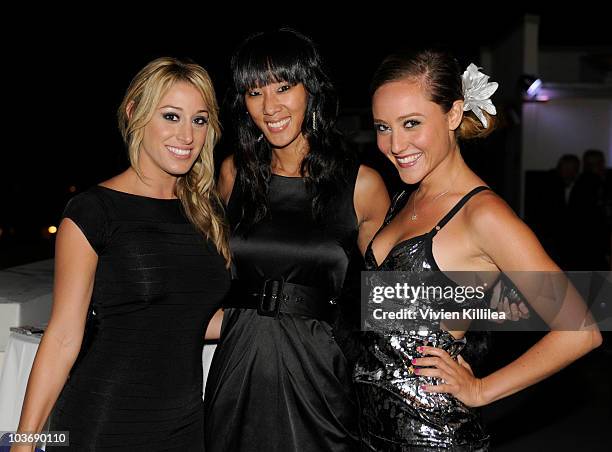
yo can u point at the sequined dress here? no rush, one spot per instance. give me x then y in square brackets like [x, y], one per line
[396, 415]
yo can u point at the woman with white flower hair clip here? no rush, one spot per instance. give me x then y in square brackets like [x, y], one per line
[415, 390]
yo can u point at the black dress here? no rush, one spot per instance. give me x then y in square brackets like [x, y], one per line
[137, 382]
[395, 414]
[282, 383]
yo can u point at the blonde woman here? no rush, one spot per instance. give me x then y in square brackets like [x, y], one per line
[141, 268]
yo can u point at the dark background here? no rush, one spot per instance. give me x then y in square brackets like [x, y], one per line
[66, 74]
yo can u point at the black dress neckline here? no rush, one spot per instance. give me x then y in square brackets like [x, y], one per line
[135, 195]
[288, 177]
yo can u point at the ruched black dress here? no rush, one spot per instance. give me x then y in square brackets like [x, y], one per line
[137, 382]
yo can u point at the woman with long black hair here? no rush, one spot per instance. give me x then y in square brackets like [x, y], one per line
[299, 205]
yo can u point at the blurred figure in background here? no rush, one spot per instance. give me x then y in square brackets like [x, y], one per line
[548, 209]
[590, 215]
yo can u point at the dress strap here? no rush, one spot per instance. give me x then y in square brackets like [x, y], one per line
[397, 203]
[457, 207]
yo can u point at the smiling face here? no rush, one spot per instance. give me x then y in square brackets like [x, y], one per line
[175, 135]
[411, 130]
[278, 110]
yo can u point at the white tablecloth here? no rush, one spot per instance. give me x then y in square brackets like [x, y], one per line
[25, 296]
[207, 355]
[18, 359]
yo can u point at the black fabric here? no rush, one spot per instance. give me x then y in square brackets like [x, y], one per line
[89, 214]
[137, 382]
[282, 384]
[274, 296]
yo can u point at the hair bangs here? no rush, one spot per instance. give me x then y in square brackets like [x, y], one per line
[266, 59]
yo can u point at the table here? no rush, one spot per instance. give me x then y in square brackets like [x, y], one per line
[207, 355]
[25, 296]
[19, 356]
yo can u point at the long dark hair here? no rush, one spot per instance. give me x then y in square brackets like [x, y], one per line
[288, 56]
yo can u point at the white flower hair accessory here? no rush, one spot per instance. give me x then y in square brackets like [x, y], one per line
[477, 91]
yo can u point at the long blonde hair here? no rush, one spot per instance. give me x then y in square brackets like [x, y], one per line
[196, 189]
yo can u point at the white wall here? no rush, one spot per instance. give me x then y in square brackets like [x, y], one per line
[565, 126]
[610, 139]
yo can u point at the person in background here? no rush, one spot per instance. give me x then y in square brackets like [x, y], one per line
[591, 214]
[548, 211]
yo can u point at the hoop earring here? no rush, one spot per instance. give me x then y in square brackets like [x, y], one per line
[314, 121]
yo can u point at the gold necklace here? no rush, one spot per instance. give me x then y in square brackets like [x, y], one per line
[414, 217]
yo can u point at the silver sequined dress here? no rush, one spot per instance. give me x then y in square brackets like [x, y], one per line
[396, 415]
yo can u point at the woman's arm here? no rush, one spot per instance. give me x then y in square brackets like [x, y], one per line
[371, 202]
[227, 176]
[512, 246]
[213, 331]
[75, 267]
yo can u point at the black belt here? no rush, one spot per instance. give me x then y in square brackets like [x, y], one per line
[275, 295]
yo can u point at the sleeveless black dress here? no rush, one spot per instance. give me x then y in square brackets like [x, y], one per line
[137, 382]
[395, 414]
[282, 384]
